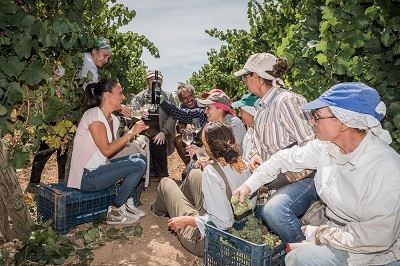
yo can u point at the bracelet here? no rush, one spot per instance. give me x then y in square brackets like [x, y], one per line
[128, 137]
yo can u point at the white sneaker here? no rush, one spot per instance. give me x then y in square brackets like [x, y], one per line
[134, 210]
[127, 212]
[118, 216]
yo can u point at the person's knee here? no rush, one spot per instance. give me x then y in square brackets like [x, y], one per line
[194, 176]
[139, 160]
[143, 157]
[178, 141]
[273, 213]
[166, 184]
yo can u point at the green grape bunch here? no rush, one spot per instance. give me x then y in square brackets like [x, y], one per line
[241, 207]
[255, 232]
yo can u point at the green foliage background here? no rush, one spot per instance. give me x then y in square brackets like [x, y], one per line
[39, 39]
[327, 42]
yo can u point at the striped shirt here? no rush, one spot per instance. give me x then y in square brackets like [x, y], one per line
[279, 122]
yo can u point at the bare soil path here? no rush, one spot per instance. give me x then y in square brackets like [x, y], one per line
[156, 246]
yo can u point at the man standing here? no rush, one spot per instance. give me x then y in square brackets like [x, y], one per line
[161, 131]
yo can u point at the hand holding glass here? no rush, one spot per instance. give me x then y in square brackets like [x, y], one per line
[202, 157]
[187, 138]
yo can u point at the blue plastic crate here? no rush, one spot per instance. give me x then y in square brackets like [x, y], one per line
[239, 251]
[68, 207]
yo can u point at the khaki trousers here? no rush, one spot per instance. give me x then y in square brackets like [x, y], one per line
[183, 200]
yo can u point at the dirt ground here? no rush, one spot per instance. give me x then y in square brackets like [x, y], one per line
[156, 246]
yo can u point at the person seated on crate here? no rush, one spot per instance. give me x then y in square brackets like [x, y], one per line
[202, 196]
[357, 177]
[96, 140]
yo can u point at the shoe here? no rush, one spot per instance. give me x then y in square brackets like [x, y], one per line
[134, 210]
[32, 188]
[130, 214]
[157, 212]
[119, 217]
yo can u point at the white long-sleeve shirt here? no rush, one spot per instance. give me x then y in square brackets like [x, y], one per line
[216, 202]
[361, 190]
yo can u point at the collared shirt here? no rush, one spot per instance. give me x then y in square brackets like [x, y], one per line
[361, 190]
[216, 202]
[279, 122]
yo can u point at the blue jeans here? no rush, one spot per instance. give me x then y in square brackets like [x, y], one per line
[130, 168]
[319, 255]
[282, 210]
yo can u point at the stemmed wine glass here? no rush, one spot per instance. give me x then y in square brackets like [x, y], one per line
[146, 105]
[202, 157]
[202, 154]
[137, 111]
[187, 138]
[196, 127]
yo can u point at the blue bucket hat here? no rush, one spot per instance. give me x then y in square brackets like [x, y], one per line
[353, 96]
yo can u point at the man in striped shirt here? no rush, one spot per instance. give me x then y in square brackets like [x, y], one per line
[279, 123]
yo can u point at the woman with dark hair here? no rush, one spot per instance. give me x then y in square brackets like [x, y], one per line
[95, 141]
[202, 196]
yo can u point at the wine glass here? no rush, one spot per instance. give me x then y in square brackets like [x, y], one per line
[137, 111]
[146, 105]
[196, 127]
[202, 154]
[187, 138]
[202, 157]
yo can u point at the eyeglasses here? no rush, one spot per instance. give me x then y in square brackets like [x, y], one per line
[245, 76]
[316, 118]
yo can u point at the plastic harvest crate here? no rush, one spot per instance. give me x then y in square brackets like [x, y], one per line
[69, 207]
[238, 251]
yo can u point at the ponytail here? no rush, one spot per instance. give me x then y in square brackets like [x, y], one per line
[94, 92]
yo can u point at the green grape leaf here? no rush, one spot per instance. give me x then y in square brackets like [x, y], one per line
[11, 66]
[34, 73]
[23, 45]
[3, 110]
[321, 58]
[15, 93]
[396, 121]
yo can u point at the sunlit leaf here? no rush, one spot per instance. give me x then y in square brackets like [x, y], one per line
[321, 58]
[3, 110]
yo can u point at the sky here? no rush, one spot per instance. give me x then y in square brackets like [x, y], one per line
[177, 29]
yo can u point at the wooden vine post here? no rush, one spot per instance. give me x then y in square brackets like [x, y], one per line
[15, 219]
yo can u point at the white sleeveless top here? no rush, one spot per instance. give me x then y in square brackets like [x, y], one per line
[85, 153]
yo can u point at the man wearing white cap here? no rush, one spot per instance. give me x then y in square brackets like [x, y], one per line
[161, 130]
[279, 123]
[357, 177]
